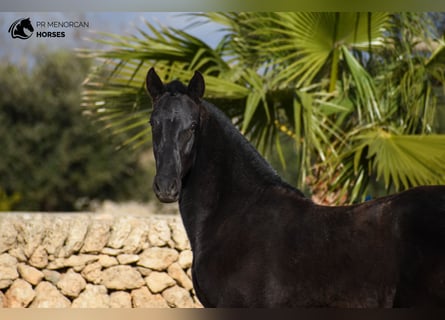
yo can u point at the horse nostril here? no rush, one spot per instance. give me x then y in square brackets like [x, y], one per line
[173, 187]
[156, 186]
[165, 187]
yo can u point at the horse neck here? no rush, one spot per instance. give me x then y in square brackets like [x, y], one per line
[227, 169]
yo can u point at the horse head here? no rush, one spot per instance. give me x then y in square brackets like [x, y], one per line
[175, 123]
[26, 24]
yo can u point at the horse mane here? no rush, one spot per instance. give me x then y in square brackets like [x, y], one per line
[262, 167]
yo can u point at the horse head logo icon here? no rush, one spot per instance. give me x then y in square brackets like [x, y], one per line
[18, 27]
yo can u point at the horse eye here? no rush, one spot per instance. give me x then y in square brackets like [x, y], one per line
[193, 126]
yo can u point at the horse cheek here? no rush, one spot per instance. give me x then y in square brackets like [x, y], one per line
[188, 156]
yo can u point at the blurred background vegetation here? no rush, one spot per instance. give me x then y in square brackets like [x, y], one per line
[53, 157]
[346, 106]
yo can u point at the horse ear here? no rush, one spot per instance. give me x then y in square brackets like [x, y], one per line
[196, 86]
[154, 85]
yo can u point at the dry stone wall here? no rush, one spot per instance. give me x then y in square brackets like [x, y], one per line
[94, 261]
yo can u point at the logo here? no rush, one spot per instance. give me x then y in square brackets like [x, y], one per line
[24, 29]
[21, 29]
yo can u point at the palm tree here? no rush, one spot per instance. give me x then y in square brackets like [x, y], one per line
[352, 90]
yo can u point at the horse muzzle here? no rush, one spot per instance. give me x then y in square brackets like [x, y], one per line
[166, 188]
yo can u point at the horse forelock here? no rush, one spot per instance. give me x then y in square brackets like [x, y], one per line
[176, 86]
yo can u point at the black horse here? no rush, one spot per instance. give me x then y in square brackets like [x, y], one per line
[259, 242]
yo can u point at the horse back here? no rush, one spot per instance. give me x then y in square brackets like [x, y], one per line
[421, 213]
[393, 246]
[284, 250]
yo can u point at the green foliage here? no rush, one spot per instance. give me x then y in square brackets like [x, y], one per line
[7, 202]
[52, 155]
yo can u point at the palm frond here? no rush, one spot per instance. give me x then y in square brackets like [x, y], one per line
[406, 160]
[399, 160]
[305, 42]
[366, 105]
